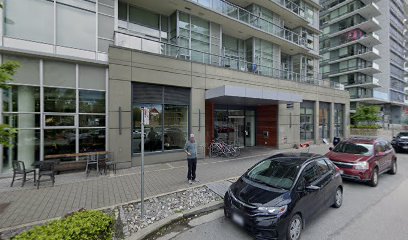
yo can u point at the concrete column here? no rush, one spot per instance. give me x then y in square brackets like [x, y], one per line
[26, 138]
[346, 120]
[332, 133]
[316, 123]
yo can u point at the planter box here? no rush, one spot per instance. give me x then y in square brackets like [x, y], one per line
[363, 132]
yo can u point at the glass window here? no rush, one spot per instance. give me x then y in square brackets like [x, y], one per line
[306, 121]
[59, 74]
[175, 126]
[324, 120]
[122, 11]
[25, 19]
[59, 121]
[22, 120]
[92, 77]
[91, 120]
[75, 28]
[105, 26]
[354, 148]
[91, 140]
[59, 141]
[59, 100]
[91, 101]
[26, 147]
[272, 173]
[153, 131]
[21, 99]
[322, 167]
[28, 72]
[143, 17]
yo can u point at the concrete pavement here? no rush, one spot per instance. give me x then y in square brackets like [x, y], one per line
[27, 205]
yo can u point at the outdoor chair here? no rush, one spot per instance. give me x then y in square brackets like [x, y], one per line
[19, 169]
[92, 161]
[47, 168]
[109, 162]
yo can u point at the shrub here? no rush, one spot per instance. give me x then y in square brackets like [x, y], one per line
[367, 127]
[84, 225]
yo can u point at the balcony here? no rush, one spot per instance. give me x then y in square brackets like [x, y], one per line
[173, 51]
[375, 97]
[368, 11]
[369, 69]
[368, 55]
[368, 26]
[293, 14]
[368, 40]
[371, 83]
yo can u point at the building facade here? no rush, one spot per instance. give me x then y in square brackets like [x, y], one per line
[362, 46]
[245, 72]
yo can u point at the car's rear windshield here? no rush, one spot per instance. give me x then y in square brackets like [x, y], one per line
[403, 134]
[354, 148]
[274, 174]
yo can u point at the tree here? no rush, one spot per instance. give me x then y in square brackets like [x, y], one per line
[7, 70]
[366, 115]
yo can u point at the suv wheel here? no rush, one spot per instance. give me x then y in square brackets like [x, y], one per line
[295, 227]
[393, 169]
[374, 178]
[338, 198]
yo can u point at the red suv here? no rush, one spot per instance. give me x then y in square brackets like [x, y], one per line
[363, 159]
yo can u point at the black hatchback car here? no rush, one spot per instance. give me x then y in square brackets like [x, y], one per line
[277, 196]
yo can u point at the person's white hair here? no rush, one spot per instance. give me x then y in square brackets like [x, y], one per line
[192, 135]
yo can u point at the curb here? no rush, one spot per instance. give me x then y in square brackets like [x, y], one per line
[167, 221]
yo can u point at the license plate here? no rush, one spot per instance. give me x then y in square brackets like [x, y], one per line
[238, 219]
[405, 147]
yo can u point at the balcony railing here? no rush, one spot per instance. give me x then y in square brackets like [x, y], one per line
[253, 20]
[234, 63]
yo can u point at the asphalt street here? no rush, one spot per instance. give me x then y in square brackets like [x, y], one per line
[367, 213]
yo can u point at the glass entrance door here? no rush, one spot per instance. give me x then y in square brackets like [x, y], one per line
[235, 127]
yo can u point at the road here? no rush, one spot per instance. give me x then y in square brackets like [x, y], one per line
[367, 213]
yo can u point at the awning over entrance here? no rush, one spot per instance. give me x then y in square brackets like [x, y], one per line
[249, 96]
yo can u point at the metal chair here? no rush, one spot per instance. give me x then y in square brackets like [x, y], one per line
[91, 160]
[47, 168]
[19, 169]
[110, 162]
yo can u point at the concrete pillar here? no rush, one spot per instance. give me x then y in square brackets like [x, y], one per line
[316, 123]
[332, 133]
[26, 138]
[346, 120]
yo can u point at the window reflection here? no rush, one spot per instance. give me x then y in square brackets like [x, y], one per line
[59, 141]
[153, 131]
[91, 140]
[59, 100]
[91, 101]
[175, 126]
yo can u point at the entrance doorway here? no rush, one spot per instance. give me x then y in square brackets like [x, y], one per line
[235, 127]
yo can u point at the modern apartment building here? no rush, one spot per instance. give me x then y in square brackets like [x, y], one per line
[243, 71]
[362, 47]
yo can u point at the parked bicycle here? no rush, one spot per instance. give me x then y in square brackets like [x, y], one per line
[219, 148]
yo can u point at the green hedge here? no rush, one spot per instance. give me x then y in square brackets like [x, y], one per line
[83, 225]
[367, 126]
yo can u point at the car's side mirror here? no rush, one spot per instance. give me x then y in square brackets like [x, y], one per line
[330, 148]
[312, 188]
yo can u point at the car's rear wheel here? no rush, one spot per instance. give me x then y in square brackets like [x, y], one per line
[393, 169]
[295, 227]
[374, 178]
[338, 198]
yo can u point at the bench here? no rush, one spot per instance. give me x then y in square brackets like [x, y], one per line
[73, 161]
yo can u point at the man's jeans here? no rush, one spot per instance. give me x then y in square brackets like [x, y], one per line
[192, 165]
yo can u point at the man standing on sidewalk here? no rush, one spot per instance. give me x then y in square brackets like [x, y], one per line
[191, 150]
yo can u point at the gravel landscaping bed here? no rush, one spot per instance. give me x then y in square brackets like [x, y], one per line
[127, 216]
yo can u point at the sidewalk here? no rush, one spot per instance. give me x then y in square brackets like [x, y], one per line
[73, 191]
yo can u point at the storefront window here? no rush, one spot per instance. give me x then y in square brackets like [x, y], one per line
[339, 120]
[59, 141]
[59, 100]
[92, 140]
[306, 120]
[175, 126]
[86, 120]
[324, 120]
[168, 118]
[91, 101]
[21, 99]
